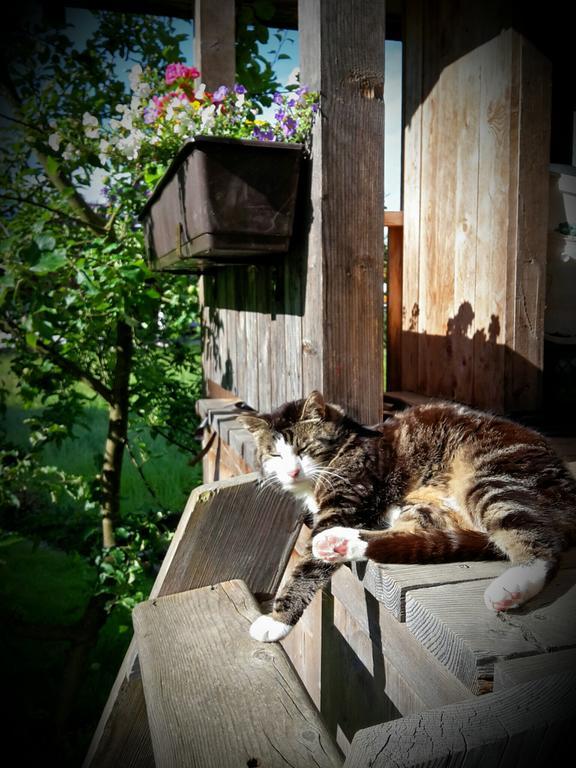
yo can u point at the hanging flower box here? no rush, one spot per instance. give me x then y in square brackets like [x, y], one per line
[223, 201]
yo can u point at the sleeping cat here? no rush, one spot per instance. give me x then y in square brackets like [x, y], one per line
[433, 483]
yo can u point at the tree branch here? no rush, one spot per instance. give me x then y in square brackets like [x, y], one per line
[58, 179]
[69, 366]
[35, 203]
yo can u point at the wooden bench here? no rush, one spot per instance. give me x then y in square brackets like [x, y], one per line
[386, 654]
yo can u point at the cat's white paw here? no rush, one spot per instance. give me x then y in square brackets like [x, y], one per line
[338, 545]
[268, 630]
[516, 586]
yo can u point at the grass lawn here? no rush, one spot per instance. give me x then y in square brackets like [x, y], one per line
[42, 586]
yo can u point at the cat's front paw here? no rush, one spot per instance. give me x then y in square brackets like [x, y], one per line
[267, 630]
[515, 586]
[339, 545]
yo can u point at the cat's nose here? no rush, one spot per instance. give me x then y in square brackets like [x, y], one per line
[294, 472]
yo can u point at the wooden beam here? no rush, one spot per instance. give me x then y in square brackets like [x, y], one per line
[342, 56]
[530, 724]
[214, 36]
[215, 698]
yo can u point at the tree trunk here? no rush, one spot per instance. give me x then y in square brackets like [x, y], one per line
[117, 434]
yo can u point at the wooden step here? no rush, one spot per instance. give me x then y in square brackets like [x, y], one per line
[215, 697]
[231, 529]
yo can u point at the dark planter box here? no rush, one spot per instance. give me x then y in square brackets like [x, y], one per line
[222, 201]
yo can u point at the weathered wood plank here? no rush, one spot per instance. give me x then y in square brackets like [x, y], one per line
[391, 583]
[231, 529]
[394, 308]
[516, 671]
[452, 622]
[343, 316]
[214, 36]
[526, 299]
[122, 737]
[524, 726]
[214, 697]
[477, 129]
[424, 674]
[412, 192]
[200, 554]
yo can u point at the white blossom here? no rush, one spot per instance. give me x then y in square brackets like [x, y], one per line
[134, 76]
[89, 120]
[69, 152]
[54, 141]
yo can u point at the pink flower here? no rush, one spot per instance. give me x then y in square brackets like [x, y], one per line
[176, 71]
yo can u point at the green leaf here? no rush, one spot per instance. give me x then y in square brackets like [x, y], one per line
[51, 261]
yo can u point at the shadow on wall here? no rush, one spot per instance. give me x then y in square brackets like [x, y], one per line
[475, 366]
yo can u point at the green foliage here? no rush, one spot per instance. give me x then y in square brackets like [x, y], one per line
[254, 71]
[74, 272]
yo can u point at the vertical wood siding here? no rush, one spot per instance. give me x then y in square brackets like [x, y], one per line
[475, 197]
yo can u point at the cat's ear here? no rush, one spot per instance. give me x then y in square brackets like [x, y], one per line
[254, 423]
[314, 407]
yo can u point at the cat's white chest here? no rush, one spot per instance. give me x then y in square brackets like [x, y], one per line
[311, 505]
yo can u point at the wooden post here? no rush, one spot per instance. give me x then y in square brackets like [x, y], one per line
[342, 56]
[214, 37]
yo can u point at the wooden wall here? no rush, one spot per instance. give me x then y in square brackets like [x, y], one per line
[315, 320]
[475, 206]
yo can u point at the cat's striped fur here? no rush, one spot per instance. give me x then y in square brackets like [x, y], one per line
[434, 483]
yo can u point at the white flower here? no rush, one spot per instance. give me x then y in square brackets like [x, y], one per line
[240, 98]
[91, 133]
[54, 141]
[207, 116]
[200, 91]
[89, 120]
[69, 152]
[134, 76]
[126, 121]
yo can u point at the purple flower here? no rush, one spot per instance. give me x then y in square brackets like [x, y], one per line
[314, 108]
[219, 94]
[302, 90]
[277, 98]
[289, 127]
[292, 102]
[239, 88]
[150, 115]
[279, 115]
[261, 135]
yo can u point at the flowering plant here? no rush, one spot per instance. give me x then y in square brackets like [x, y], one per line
[165, 112]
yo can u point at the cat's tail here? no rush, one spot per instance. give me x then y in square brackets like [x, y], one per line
[428, 546]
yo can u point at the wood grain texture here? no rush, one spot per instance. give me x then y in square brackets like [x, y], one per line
[390, 584]
[231, 529]
[475, 200]
[215, 697]
[429, 680]
[516, 671]
[122, 736]
[525, 726]
[346, 63]
[452, 622]
[214, 35]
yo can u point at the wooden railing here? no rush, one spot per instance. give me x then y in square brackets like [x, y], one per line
[394, 221]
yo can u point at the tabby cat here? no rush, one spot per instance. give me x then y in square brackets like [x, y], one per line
[434, 483]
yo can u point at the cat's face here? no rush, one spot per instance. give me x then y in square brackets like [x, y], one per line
[296, 443]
